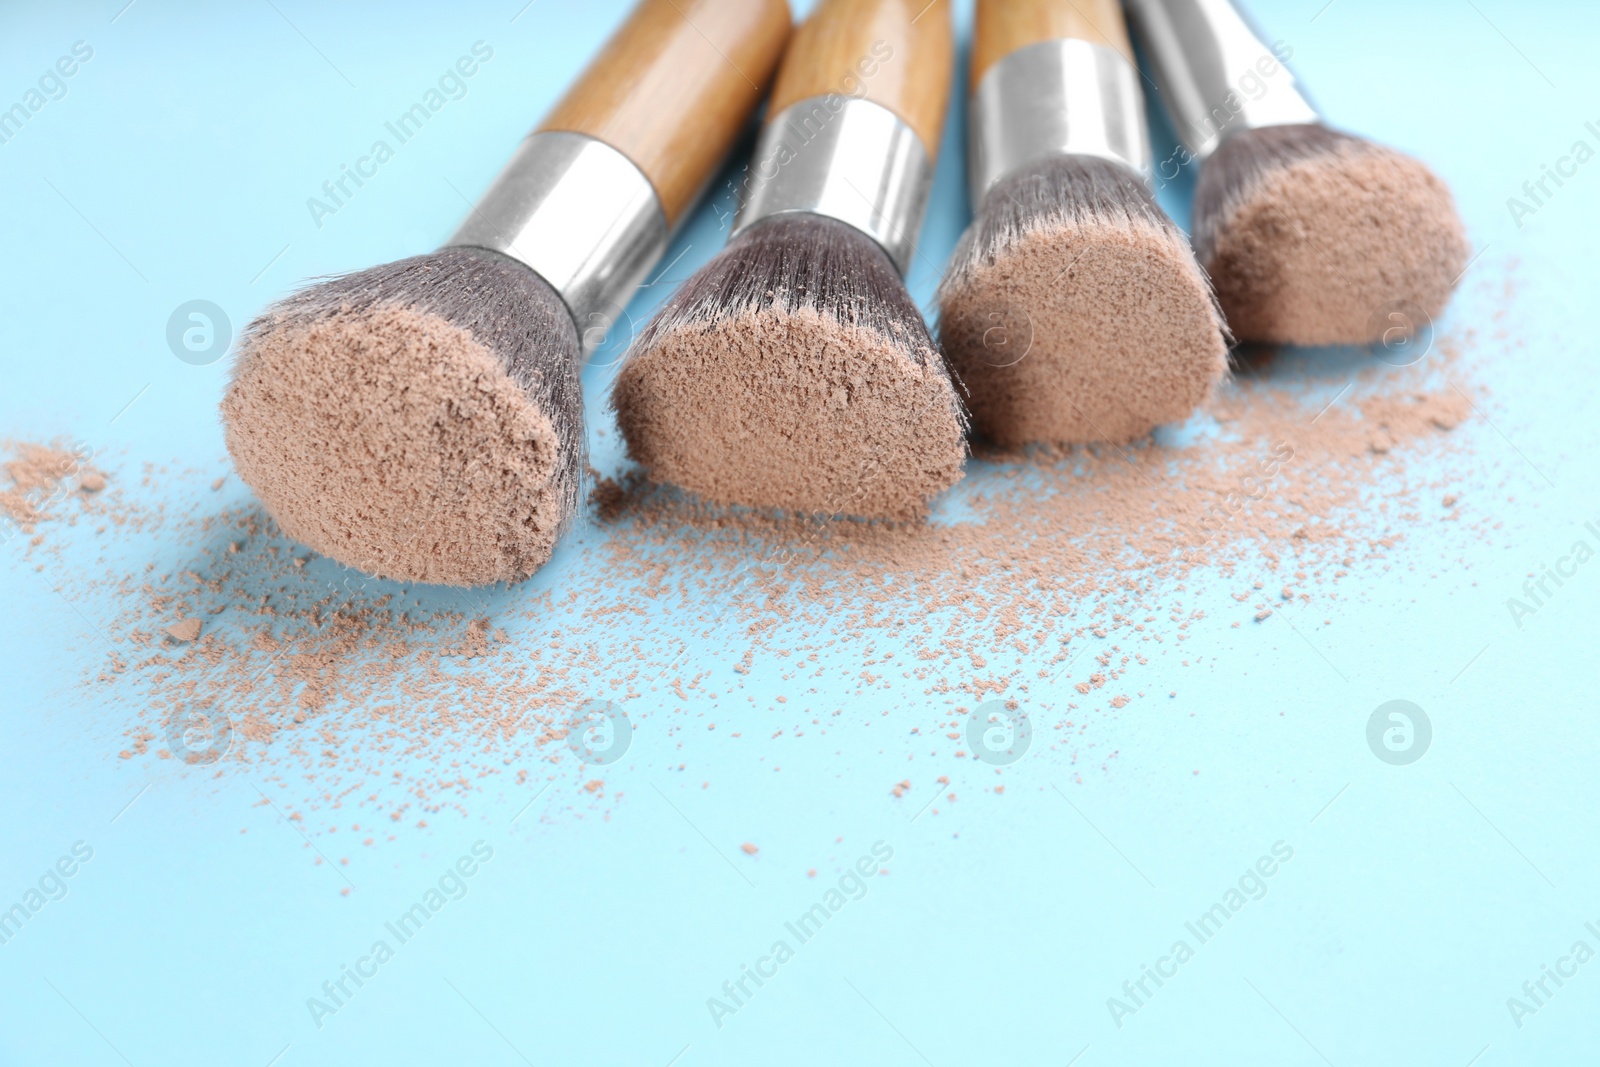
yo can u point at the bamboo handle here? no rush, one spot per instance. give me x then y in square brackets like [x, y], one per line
[674, 85]
[1003, 26]
[897, 53]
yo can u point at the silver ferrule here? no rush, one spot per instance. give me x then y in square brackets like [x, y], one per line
[1215, 75]
[1053, 98]
[848, 159]
[579, 214]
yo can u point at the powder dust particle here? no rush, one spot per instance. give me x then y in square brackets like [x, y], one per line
[185, 630]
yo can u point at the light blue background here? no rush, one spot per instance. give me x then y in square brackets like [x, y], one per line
[177, 167]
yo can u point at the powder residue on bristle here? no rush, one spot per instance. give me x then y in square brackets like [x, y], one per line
[1074, 312]
[793, 371]
[793, 410]
[420, 420]
[394, 441]
[1315, 237]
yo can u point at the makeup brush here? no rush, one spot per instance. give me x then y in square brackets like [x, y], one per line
[793, 370]
[1311, 236]
[1073, 310]
[422, 420]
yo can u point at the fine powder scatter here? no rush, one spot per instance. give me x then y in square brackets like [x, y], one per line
[39, 476]
[1067, 580]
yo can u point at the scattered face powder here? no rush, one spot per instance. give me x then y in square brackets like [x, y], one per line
[1061, 579]
[40, 475]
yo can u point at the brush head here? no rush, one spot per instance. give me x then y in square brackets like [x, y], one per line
[1310, 235]
[1074, 311]
[793, 371]
[420, 420]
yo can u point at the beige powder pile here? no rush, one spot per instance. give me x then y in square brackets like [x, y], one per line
[39, 476]
[1068, 579]
[794, 410]
[355, 430]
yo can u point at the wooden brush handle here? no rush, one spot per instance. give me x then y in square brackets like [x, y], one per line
[1003, 26]
[674, 85]
[897, 53]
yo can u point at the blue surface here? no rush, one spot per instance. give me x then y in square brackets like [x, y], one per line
[176, 166]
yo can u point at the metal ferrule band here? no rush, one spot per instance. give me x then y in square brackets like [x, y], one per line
[1053, 98]
[1215, 74]
[848, 159]
[579, 214]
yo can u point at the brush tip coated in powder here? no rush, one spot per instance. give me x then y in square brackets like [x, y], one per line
[1312, 236]
[420, 421]
[793, 371]
[1074, 311]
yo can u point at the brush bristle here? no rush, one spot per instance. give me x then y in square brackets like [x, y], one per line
[421, 420]
[1074, 311]
[793, 371]
[1312, 236]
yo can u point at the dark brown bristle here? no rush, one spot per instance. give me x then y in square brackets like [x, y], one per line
[1312, 236]
[1074, 311]
[793, 371]
[421, 420]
